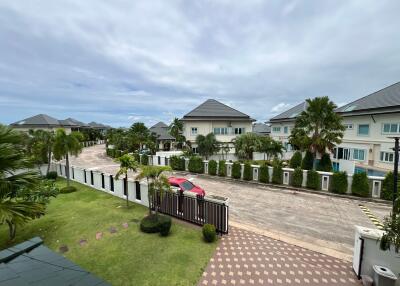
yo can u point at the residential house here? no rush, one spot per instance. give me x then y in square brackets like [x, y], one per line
[164, 139]
[43, 122]
[215, 117]
[261, 129]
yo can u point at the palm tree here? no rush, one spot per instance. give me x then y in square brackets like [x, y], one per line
[14, 210]
[65, 145]
[245, 145]
[157, 182]
[320, 124]
[41, 146]
[175, 130]
[127, 162]
[207, 145]
[225, 148]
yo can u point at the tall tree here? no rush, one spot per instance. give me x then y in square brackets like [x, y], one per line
[41, 146]
[245, 145]
[207, 145]
[140, 133]
[318, 126]
[175, 130]
[126, 163]
[66, 145]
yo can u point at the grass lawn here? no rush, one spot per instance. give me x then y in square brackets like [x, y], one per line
[128, 257]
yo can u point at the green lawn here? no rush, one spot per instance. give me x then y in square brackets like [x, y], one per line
[128, 257]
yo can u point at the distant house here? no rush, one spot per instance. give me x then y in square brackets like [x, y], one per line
[164, 139]
[261, 129]
[98, 126]
[215, 117]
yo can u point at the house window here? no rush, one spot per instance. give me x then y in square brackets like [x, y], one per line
[194, 150]
[359, 154]
[194, 130]
[288, 146]
[285, 129]
[390, 128]
[239, 130]
[220, 130]
[276, 129]
[387, 157]
[342, 153]
[348, 126]
[363, 129]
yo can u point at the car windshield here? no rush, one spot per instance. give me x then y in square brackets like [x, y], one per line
[187, 186]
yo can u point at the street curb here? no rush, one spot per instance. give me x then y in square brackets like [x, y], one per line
[287, 187]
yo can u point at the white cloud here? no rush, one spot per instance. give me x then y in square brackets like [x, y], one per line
[280, 107]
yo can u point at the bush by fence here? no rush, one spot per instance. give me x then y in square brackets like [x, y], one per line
[137, 157]
[247, 172]
[196, 165]
[339, 183]
[236, 170]
[313, 180]
[277, 175]
[221, 168]
[177, 163]
[295, 161]
[308, 161]
[297, 179]
[360, 186]
[325, 164]
[264, 174]
[212, 167]
[144, 160]
[388, 186]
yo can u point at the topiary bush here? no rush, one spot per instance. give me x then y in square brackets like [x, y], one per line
[325, 164]
[295, 161]
[264, 174]
[118, 153]
[277, 175]
[313, 180]
[387, 187]
[221, 168]
[236, 170]
[212, 167]
[68, 189]
[339, 183]
[209, 232]
[150, 224]
[247, 172]
[308, 161]
[360, 186]
[164, 224]
[137, 157]
[177, 163]
[196, 165]
[297, 179]
[144, 160]
[52, 175]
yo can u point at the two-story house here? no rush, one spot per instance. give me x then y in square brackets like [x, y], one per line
[215, 117]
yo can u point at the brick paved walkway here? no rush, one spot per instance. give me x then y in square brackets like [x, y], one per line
[247, 258]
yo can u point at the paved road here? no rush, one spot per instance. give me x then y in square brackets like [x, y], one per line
[315, 219]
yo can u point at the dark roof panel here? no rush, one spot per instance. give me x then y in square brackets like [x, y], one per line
[215, 109]
[292, 112]
[261, 128]
[38, 120]
[161, 131]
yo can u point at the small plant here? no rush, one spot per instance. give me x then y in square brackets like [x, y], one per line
[221, 168]
[297, 179]
[313, 180]
[325, 164]
[150, 224]
[236, 170]
[308, 161]
[144, 160]
[391, 226]
[164, 224]
[277, 174]
[339, 183]
[209, 233]
[360, 186]
[177, 163]
[136, 156]
[295, 161]
[247, 172]
[264, 174]
[67, 190]
[196, 165]
[52, 175]
[212, 167]
[387, 187]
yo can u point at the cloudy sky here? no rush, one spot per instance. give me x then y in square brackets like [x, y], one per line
[118, 62]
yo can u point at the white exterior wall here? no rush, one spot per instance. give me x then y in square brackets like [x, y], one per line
[67, 129]
[283, 137]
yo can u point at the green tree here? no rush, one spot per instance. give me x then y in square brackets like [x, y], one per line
[175, 130]
[295, 161]
[207, 145]
[225, 148]
[41, 146]
[325, 164]
[245, 145]
[308, 161]
[66, 145]
[126, 163]
[140, 133]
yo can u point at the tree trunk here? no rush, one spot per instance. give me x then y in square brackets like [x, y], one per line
[67, 169]
[12, 229]
[148, 195]
[48, 161]
[126, 182]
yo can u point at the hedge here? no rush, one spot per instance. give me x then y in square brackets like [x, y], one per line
[52, 175]
[68, 189]
[297, 179]
[221, 168]
[325, 164]
[313, 180]
[247, 172]
[387, 187]
[277, 175]
[150, 224]
[137, 157]
[264, 174]
[144, 160]
[360, 186]
[196, 165]
[164, 224]
[212, 167]
[209, 232]
[308, 161]
[295, 161]
[339, 183]
[236, 170]
[177, 163]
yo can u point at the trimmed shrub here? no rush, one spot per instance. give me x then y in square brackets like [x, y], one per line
[212, 167]
[137, 157]
[164, 224]
[209, 232]
[297, 178]
[295, 161]
[52, 175]
[264, 174]
[221, 168]
[149, 224]
[118, 153]
[236, 170]
[325, 164]
[277, 174]
[196, 165]
[360, 186]
[67, 190]
[313, 180]
[177, 163]
[339, 183]
[387, 187]
[308, 161]
[144, 160]
[247, 172]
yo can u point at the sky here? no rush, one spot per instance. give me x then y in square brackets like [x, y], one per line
[119, 62]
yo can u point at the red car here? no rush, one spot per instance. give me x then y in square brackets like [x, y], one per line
[186, 185]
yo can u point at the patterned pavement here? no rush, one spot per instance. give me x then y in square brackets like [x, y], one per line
[247, 258]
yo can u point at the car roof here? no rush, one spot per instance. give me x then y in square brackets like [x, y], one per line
[177, 180]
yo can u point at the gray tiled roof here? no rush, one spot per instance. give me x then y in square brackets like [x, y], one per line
[38, 120]
[261, 128]
[159, 125]
[161, 131]
[212, 108]
[291, 113]
[31, 263]
[77, 122]
[384, 98]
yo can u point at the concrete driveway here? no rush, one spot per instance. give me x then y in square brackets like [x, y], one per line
[314, 221]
